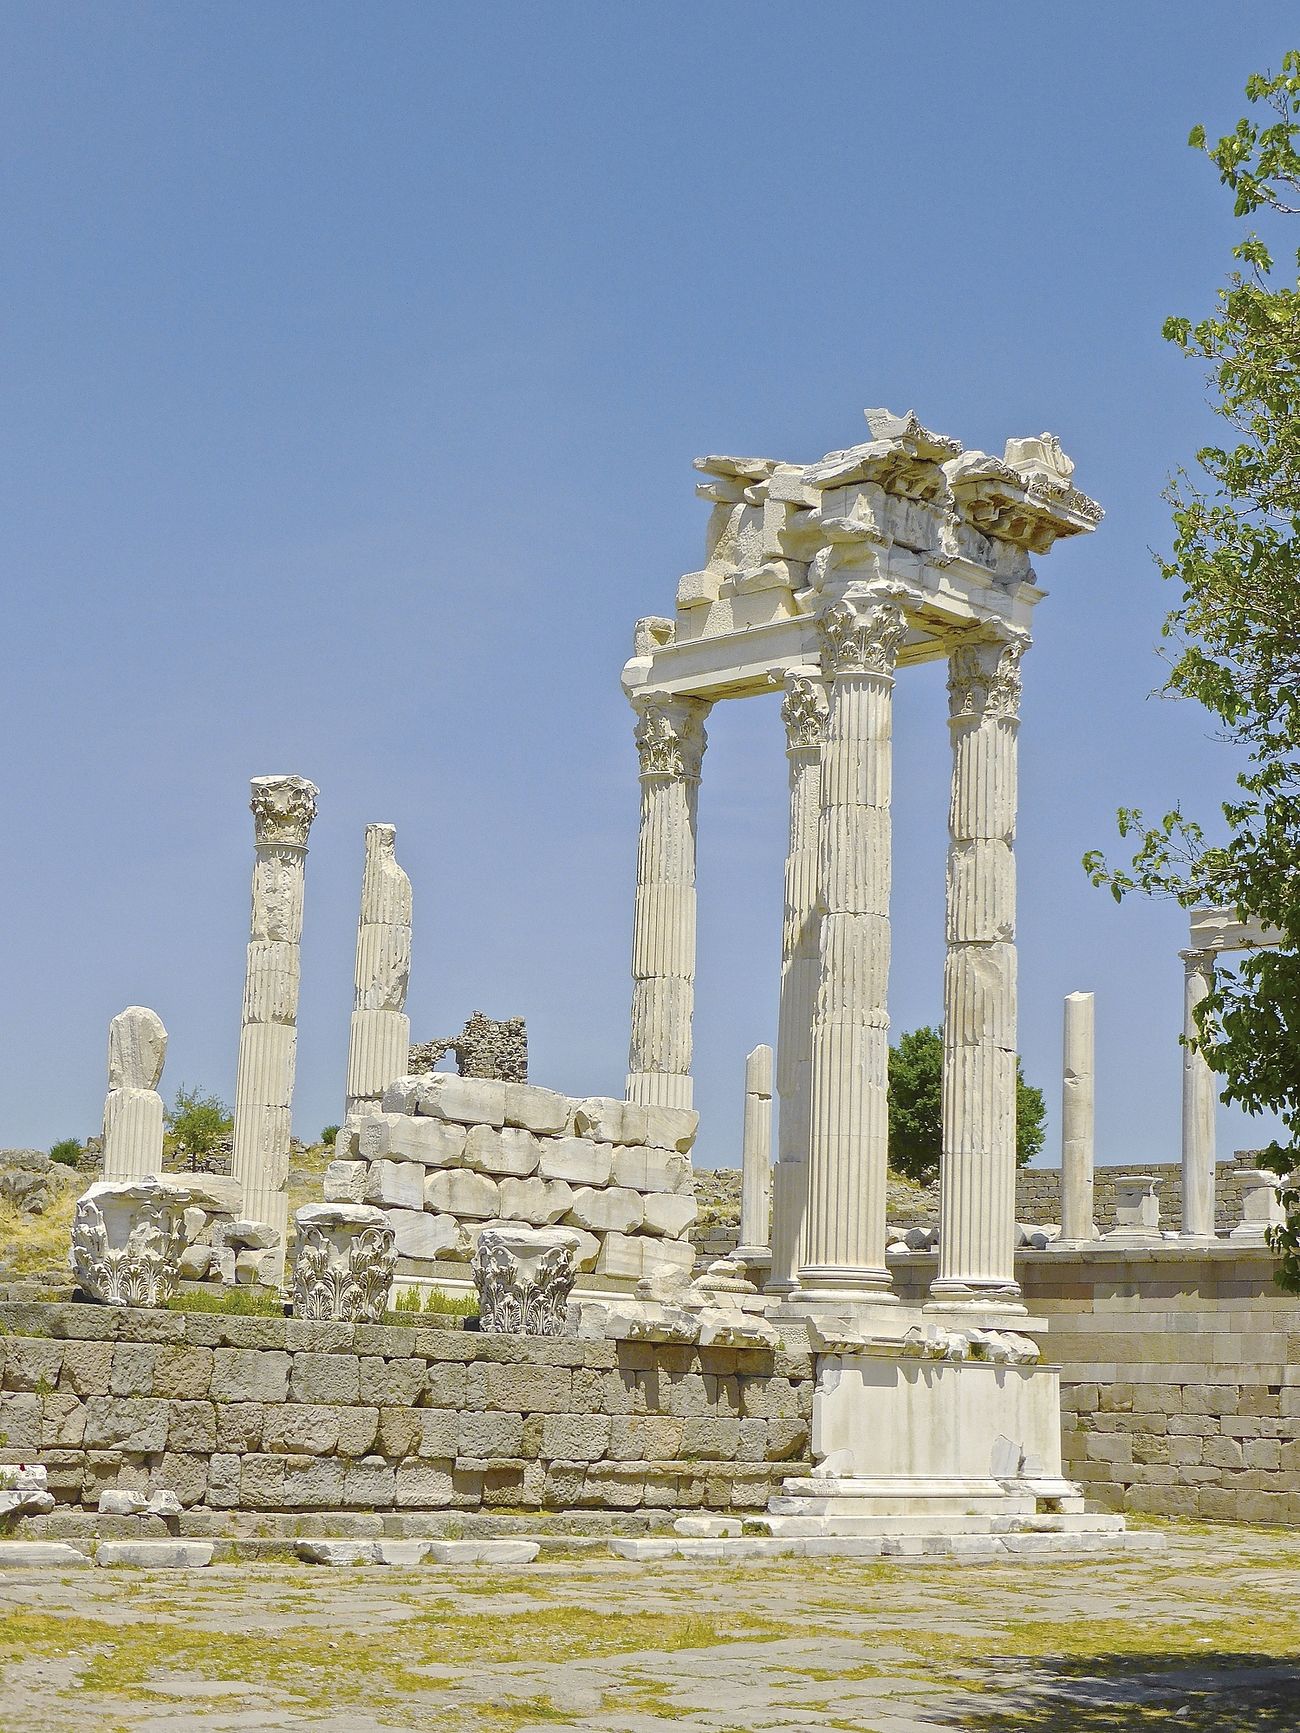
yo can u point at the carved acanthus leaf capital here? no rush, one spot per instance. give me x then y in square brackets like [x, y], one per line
[863, 634]
[984, 677]
[283, 808]
[670, 738]
[803, 710]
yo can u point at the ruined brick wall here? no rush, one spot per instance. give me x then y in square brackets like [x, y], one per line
[280, 1416]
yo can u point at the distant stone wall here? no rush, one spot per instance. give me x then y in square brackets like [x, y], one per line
[279, 1416]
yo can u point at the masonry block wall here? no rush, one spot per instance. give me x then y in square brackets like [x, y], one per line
[280, 1415]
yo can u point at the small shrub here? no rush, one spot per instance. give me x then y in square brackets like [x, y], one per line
[435, 1303]
[68, 1152]
[198, 1123]
[329, 1135]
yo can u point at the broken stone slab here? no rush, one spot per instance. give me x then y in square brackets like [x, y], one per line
[669, 1214]
[156, 1554]
[576, 1160]
[611, 1209]
[344, 1263]
[24, 1490]
[483, 1552]
[607, 1119]
[651, 1170]
[330, 1551]
[636, 1256]
[524, 1276]
[433, 1142]
[395, 1184]
[22, 1554]
[542, 1111]
[460, 1193]
[511, 1153]
[429, 1235]
[706, 1527]
[345, 1181]
[117, 1501]
[672, 1128]
[466, 1100]
[127, 1240]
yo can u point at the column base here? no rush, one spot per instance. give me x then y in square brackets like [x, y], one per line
[659, 1088]
[974, 1302]
[837, 1285]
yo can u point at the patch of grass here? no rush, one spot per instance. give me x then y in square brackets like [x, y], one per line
[231, 1302]
[31, 1245]
[436, 1303]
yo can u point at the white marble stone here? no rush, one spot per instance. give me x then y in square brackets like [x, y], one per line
[425, 1234]
[380, 1032]
[1261, 1207]
[467, 1196]
[541, 1111]
[466, 1100]
[133, 1108]
[540, 1201]
[1200, 1102]
[508, 1154]
[1137, 1208]
[345, 1182]
[635, 1256]
[24, 1491]
[669, 1213]
[604, 1119]
[605, 1210]
[672, 1128]
[283, 810]
[756, 1160]
[576, 1160]
[396, 1184]
[343, 1263]
[651, 1170]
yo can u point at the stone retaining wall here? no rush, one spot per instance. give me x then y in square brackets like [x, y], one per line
[280, 1415]
[1180, 1375]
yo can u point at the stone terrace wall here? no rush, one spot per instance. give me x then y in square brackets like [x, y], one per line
[450, 1155]
[1180, 1376]
[281, 1416]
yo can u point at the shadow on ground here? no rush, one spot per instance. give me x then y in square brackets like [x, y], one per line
[1199, 1692]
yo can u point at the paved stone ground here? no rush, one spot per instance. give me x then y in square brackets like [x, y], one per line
[1203, 1637]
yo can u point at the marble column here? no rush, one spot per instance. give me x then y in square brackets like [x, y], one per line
[670, 742]
[1077, 1121]
[133, 1108]
[1200, 1099]
[848, 1143]
[803, 710]
[283, 809]
[977, 1179]
[756, 1160]
[380, 1033]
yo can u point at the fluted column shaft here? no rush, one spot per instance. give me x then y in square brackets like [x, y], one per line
[844, 1244]
[1199, 1101]
[283, 809]
[756, 1157]
[804, 713]
[670, 743]
[978, 1166]
[133, 1108]
[380, 1031]
[1077, 1120]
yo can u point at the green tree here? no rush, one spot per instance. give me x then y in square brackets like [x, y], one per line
[329, 1136]
[197, 1123]
[916, 1108]
[1233, 638]
[67, 1152]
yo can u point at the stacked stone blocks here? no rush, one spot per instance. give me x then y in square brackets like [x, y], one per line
[279, 1415]
[449, 1156]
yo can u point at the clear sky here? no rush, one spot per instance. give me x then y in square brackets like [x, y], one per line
[354, 358]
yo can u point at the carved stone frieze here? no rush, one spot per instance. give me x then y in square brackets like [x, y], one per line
[524, 1277]
[344, 1263]
[127, 1240]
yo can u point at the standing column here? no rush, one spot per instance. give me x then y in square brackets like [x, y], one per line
[844, 1245]
[977, 1226]
[133, 1108]
[756, 1159]
[1077, 1153]
[380, 1034]
[1199, 1102]
[283, 810]
[670, 742]
[804, 713]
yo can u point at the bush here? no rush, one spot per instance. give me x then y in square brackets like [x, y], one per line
[232, 1302]
[436, 1302]
[68, 1152]
[198, 1124]
[329, 1135]
[916, 1108]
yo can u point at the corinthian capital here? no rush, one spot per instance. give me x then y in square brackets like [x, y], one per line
[984, 677]
[803, 709]
[862, 634]
[670, 737]
[283, 809]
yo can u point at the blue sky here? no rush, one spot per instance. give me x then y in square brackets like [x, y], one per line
[354, 360]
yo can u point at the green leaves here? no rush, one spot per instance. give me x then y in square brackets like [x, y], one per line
[916, 1108]
[1235, 634]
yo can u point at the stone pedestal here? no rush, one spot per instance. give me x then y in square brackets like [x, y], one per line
[1077, 1122]
[756, 1160]
[803, 711]
[127, 1240]
[283, 809]
[1200, 1099]
[977, 1233]
[380, 1034]
[1261, 1208]
[1137, 1209]
[343, 1264]
[133, 1109]
[844, 1245]
[524, 1277]
[670, 743]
